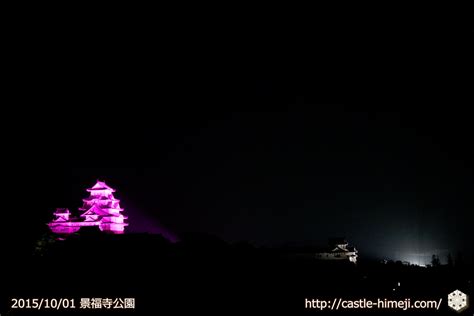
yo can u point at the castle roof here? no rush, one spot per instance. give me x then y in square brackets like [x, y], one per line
[92, 198]
[342, 250]
[100, 186]
[95, 210]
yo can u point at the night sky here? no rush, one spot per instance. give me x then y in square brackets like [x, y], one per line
[240, 139]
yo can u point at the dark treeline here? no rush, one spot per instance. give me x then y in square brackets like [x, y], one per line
[202, 273]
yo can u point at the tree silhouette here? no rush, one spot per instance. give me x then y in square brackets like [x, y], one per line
[450, 260]
[435, 261]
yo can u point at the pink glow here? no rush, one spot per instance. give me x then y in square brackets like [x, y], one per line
[100, 209]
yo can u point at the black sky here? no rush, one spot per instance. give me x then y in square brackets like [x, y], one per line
[267, 139]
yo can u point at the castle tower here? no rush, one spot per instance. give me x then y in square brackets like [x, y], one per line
[103, 209]
[100, 209]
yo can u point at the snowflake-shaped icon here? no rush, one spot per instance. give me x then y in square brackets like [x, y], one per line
[457, 300]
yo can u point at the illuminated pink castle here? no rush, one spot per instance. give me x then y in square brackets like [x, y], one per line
[100, 209]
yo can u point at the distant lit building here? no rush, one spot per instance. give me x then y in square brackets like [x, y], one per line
[338, 249]
[100, 209]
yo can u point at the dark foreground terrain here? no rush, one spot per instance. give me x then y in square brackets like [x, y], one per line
[201, 275]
